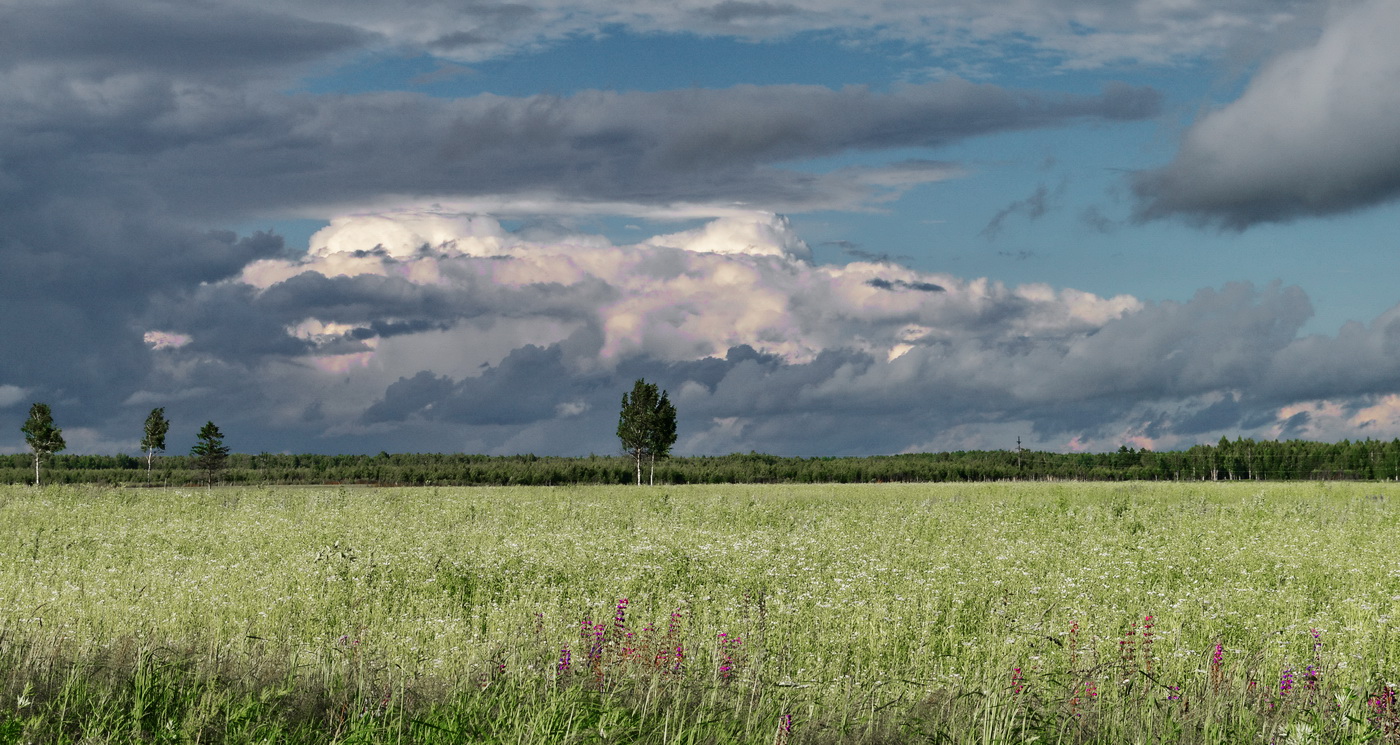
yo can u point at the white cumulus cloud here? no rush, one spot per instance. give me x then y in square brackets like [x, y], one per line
[688, 295]
[440, 329]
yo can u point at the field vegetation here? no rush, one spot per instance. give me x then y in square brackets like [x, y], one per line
[1013, 612]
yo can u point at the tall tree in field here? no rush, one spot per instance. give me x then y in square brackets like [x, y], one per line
[154, 439]
[647, 425]
[43, 438]
[633, 426]
[663, 432]
[209, 451]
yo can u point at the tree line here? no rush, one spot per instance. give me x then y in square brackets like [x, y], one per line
[1228, 460]
[646, 432]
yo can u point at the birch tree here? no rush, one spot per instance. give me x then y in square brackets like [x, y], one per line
[154, 439]
[646, 426]
[44, 439]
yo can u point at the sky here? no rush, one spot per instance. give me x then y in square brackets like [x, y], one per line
[825, 228]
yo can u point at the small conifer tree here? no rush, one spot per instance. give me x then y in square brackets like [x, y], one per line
[210, 453]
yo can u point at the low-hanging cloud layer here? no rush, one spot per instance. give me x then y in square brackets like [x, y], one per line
[132, 131]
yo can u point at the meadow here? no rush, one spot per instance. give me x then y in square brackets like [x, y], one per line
[1007, 612]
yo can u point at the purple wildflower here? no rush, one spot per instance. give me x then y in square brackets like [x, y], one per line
[595, 647]
[784, 730]
[1384, 706]
[620, 617]
[727, 644]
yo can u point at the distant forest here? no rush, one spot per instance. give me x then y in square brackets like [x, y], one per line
[1227, 460]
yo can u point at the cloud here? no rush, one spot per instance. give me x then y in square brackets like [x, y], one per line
[130, 127]
[903, 174]
[1222, 415]
[900, 284]
[228, 150]
[165, 340]
[201, 40]
[450, 331]
[660, 148]
[434, 330]
[855, 251]
[10, 395]
[409, 396]
[76, 283]
[1032, 207]
[1317, 132]
[734, 12]
[530, 385]
[1067, 33]
[1093, 217]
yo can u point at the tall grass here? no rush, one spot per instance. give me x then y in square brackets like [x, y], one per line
[776, 614]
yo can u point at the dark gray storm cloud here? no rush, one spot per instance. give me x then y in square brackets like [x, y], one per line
[107, 38]
[229, 152]
[410, 396]
[1224, 414]
[530, 385]
[74, 281]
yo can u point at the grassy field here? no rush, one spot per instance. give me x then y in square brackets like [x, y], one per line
[1067, 612]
